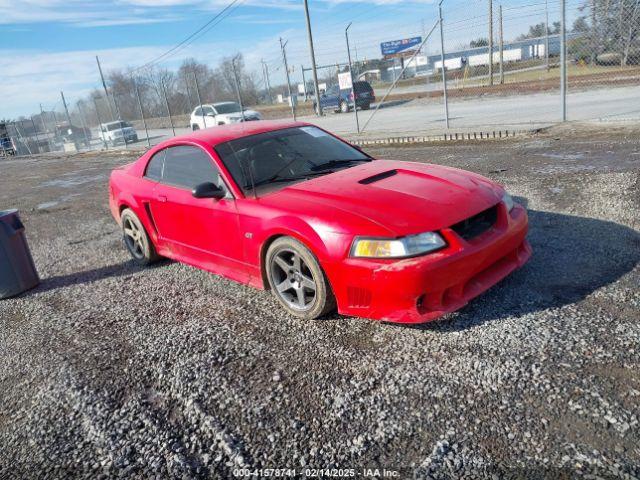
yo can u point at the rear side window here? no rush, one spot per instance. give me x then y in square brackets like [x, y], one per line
[187, 167]
[155, 166]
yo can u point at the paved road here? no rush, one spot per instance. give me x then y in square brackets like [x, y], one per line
[425, 116]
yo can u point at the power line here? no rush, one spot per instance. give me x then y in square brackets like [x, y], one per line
[187, 41]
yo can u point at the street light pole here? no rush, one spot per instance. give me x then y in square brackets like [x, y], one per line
[313, 59]
[353, 87]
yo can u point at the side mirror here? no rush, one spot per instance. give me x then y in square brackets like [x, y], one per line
[208, 190]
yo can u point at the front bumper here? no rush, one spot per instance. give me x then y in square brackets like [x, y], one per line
[421, 289]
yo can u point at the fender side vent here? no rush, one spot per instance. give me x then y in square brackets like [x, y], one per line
[377, 177]
[358, 297]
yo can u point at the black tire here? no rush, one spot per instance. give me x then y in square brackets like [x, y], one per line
[136, 239]
[285, 285]
[135, 138]
[366, 106]
[344, 107]
[194, 128]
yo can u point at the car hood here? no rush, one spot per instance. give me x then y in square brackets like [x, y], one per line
[396, 198]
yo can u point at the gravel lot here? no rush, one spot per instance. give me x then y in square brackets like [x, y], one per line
[109, 370]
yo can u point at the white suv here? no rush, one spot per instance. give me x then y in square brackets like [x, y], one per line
[222, 113]
[118, 132]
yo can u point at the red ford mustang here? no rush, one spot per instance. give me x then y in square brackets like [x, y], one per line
[292, 208]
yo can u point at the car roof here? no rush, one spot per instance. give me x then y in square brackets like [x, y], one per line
[223, 133]
[115, 121]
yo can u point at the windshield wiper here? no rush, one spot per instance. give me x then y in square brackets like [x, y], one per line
[303, 176]
[336, 163]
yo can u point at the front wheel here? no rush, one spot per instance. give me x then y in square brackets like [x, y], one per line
[136, 239]
[296, 279]
[194, 127]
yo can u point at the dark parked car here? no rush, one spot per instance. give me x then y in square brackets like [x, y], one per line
[342, 100]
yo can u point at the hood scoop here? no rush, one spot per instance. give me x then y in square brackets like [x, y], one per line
[377, 177]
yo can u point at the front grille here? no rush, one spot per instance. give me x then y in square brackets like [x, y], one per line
[478, 224]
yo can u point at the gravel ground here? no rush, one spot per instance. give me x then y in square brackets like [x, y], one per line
[110, 370]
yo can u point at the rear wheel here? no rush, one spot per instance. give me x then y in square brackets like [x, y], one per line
[136, 239]
[194, 127]
[296, 279]
[366, 106]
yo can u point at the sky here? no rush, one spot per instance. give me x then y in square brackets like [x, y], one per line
[48, 46]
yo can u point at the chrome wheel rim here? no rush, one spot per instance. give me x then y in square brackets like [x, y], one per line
[133, 238]
[293, 280]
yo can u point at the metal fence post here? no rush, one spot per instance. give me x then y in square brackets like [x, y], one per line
[84, 124]
[104, 140]
[444, 74]
[490, 42]
[286, 69]
[166, 102]
[237, 82]
[204, 120]
[501, 45]
[66, 110]
[546, 37]
[353, 87]
[46, 129]
[144, 121]
[304, 83]
[35, 132]
[563, 59]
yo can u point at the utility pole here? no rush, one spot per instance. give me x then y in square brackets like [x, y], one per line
[490, 42]
[286, 69]
[353, 88]
[104, 85]
[546, 37]
[265, 72]
[444, 74]
[563, 59]
[313, 60]
[204, 120]
[501, 45]
[237, 82]
[104, 140]
[594, 33]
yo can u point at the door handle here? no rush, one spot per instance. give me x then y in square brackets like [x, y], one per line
[162, 198]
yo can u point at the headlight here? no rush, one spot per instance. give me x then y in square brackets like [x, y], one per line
[397, 248]
[508, 201]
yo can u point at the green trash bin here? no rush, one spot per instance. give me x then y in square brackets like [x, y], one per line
[17, 270]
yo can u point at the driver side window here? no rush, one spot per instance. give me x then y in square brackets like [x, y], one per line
[208, 111]
[186, 167]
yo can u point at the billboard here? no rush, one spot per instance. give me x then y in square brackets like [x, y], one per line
[399, 46]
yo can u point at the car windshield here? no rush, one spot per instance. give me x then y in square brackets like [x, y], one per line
[117, 125]
[230, 107]
[284, 156]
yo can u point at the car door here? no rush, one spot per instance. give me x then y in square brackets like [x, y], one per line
[200, 231]
[330, 100]
[209, 116]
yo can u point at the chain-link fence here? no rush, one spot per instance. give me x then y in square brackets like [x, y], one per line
[510, 65]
